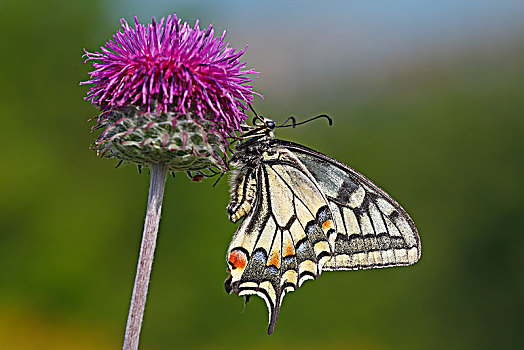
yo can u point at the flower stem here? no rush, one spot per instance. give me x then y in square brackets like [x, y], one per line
[145, 261]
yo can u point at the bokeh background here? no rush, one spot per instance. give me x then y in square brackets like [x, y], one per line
[428, 101]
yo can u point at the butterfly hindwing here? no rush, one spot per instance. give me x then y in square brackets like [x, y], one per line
[284, 238]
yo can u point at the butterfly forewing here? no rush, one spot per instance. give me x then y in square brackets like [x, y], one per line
[373, 230]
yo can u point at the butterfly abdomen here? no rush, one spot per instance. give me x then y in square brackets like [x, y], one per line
[243, 190]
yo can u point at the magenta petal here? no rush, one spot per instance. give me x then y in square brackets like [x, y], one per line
[170, 66]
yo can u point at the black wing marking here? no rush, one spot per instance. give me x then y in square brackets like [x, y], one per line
[372, 229]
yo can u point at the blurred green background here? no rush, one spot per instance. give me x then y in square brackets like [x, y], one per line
[428, 101]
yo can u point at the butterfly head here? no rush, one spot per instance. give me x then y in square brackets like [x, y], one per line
[265, 126]
[262, 128]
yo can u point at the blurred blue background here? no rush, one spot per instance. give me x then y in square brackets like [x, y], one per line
[428, 101]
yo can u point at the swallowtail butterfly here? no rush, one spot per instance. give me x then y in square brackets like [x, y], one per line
[303, 213]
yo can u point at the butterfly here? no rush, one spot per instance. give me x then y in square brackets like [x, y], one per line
[302, 213]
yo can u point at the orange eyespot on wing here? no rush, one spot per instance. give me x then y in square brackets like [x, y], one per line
[237, 259]
[274, 260]
[289, 250]
[327, 224]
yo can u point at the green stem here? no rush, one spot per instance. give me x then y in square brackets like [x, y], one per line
[145, 261]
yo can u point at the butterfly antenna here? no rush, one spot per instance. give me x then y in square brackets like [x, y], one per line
[252, 109]
[288, 119]
[330, 121]
[255, 113]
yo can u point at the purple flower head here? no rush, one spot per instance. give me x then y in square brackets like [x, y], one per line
[168, 93]
[169, 66]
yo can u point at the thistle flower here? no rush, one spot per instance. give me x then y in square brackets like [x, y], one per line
[170, 97]
[168, 93]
